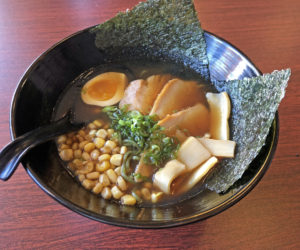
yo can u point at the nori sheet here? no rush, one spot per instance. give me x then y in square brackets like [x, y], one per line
[254, 104]
[161, 28]
[170, 29]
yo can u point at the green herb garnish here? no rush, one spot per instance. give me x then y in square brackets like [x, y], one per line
[141, 177]
[142, 134]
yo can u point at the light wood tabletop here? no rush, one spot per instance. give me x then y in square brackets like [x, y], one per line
[268, 32]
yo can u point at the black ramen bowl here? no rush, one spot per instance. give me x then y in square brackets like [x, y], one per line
[34, 103]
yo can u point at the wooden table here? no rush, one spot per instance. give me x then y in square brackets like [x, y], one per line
[269, 217]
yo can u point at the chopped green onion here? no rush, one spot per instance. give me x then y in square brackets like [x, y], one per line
[141, 133]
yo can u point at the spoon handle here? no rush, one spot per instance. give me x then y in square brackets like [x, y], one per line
[12, 153]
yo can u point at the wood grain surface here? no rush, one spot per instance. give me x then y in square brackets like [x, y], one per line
[268, 32]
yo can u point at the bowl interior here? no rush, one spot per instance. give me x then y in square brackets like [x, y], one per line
[33, 106]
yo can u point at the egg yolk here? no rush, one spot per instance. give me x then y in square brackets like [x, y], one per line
[102, 89]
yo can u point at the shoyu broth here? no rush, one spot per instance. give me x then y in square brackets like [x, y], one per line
[94, 154]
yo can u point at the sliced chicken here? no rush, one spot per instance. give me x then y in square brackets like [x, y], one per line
[141, 94]
[177, 95]
[194, 120]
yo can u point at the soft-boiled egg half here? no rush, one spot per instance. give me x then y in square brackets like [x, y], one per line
[105, 89]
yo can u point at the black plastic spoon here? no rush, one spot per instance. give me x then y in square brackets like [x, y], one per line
[13, 152]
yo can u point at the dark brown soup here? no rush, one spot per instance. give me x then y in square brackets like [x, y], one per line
[102, 162]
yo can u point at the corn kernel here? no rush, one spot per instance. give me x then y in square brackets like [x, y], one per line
[116, 150]
[66, 154]
[110, 132]
[103, 179]
[116, 192]
[78, 163]
[93, 132]
[95, 154]
[118, 170]
[89, 147]
[81, 177]
[99, 142]
[61, 139]
[91, 126]
[87, 168]
[111, 175]
[123, 150]
[102, 133]
[88, 184]
[103, 166]
[79, 138]
[98, 188]
[64, 146]
[77, 153]
[104, 157]
[116, 159]
[106, 193]
[128, 199]
[93, 175]
[106, 150]
[121, 183]
[98, 123]
[69, 141]
[110, 144]
[86, 156]
[81, 133]
[75, 145]
[82, 144]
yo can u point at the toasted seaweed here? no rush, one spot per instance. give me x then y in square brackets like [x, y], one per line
[170, 29]
[254, 104]
[161, 28]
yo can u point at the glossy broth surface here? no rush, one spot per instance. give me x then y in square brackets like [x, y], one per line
[70, 99]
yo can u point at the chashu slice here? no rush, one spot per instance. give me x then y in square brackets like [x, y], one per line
[141, 94]
[195, 120]
[177, 95]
